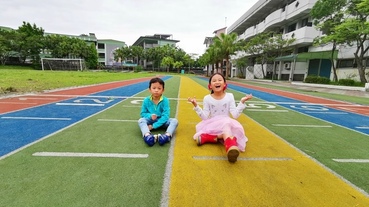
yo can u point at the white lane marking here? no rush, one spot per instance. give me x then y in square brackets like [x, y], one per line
[352, 160]
[29, 98]
[35, 118]
[117, 120]
[78, 104]
[362, 127]
[243, 158]
[261, 110]
[297, 125]
[76, 154]
[311, 112]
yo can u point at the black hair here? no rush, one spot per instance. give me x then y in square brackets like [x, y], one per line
[213, 76]
[156, 80]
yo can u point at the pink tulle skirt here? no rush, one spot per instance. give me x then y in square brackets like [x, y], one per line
[216, 125]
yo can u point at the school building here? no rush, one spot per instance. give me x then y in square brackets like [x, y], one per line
[292, 19]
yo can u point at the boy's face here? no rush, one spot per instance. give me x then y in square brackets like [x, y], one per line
[156, 90]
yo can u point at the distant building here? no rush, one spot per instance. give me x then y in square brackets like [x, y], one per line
[105, 50]
[156, 40]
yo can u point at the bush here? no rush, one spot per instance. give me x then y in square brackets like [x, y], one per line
[317, 79]
[139, 68]
[346, 82]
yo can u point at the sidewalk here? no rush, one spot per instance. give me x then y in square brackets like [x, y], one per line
[344, 90]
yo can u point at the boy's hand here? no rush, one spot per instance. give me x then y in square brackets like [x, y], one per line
[153, 117]
[192, 100]
[150, 127]
[247, 97]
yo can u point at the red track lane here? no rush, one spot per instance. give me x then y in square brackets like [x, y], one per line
[341, 105]
[27, 101]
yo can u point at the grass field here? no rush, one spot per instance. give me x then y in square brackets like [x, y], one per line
[282, 166]
[25, 80]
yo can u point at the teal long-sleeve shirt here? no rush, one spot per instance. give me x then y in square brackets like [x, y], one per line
[161, 110]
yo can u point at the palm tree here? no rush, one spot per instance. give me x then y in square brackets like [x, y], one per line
[227, 45]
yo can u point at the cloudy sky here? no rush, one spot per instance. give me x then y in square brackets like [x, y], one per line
[189, 21]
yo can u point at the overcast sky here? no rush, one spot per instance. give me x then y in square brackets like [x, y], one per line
[189, 21]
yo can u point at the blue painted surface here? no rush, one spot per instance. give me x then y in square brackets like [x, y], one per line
[16, 133]
[347, 119]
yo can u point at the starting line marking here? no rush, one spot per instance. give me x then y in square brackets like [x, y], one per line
[76, 154]
[352, 160]
[243, 158]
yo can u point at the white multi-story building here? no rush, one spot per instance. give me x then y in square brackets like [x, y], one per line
[292, 19]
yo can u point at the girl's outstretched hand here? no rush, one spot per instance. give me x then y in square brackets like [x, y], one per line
[192, 100]
[245, 98]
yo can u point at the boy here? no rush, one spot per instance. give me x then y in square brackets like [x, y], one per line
[155, 112]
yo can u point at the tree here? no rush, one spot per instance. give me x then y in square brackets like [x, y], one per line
[214, 56]
[121, 54]
[348, 25]
[241, 63]
[30, 42]
[137, 53]
[167, 62]
[7, 45]
[177, 65]
[267, 46]
[60, 46]
[227, 45]
[327, 15]
[354, 31]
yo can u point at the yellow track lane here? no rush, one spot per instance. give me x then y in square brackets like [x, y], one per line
[269, 173]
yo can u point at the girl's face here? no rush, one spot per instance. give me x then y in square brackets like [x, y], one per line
[217, 83]
[156, 90]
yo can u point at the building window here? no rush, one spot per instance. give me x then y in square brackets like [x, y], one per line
[303, 49]
[101, 55]
[347, 63]
[292, 27]
[101, 46]
[304, 22]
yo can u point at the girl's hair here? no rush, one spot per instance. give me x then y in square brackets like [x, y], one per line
[211, 77]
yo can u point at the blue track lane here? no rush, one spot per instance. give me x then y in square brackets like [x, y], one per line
[342, 118]
[26, 126]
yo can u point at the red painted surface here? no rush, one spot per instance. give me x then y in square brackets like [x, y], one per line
[27, 101]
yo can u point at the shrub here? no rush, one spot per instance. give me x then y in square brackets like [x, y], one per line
[346, 82]
[139, 68]
[317, 79]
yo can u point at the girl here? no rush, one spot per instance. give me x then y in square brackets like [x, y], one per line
[216, 121]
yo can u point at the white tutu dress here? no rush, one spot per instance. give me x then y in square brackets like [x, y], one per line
[216, 119]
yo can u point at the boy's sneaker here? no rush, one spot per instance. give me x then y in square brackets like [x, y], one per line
[149, 140]
[163, 138]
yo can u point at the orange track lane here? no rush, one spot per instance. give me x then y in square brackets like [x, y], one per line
[340, 105]
[27, 101]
